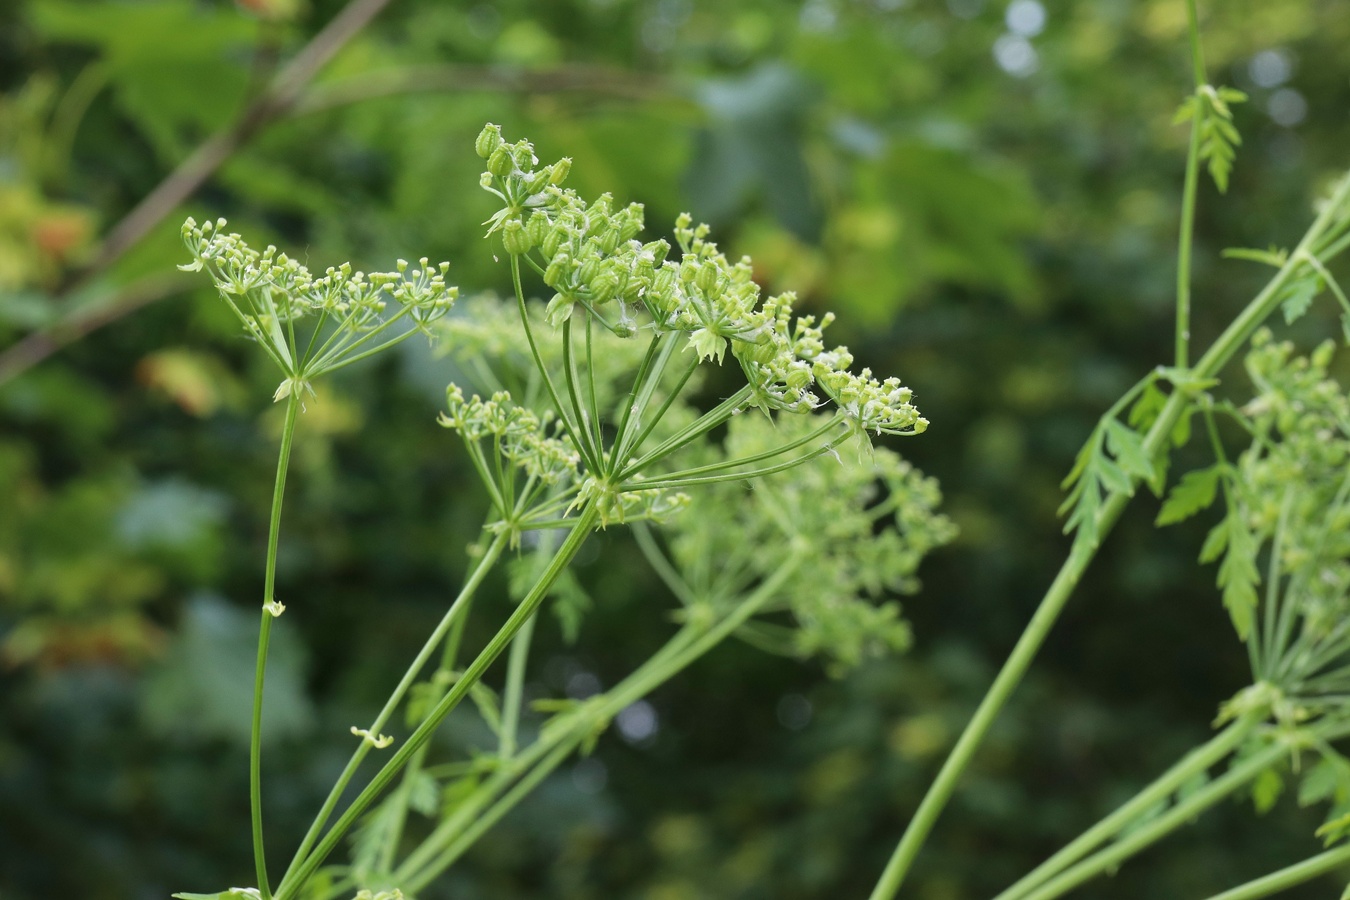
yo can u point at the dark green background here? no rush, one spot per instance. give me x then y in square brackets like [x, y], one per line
[1004, 242]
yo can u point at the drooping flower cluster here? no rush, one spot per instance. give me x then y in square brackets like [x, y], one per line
[590, 256]
[345, 310]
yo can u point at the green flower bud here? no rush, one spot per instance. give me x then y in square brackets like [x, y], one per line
[488, 140]
[500, 162]
[515, 239]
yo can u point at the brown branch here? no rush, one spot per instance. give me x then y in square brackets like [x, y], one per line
[37, 346]
[288, 96]
[431, 79]
[276, 101]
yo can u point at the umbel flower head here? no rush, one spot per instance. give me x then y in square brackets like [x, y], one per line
[313, 325]
[590, 255]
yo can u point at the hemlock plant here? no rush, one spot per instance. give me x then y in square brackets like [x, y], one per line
[769, 516]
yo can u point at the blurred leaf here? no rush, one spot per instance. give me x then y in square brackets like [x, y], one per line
[204, 689]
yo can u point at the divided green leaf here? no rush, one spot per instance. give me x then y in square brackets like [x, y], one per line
[1238, 575]
[1219, 139]
[1194, 492]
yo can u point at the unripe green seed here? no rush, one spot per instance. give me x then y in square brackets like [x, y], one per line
[557, 174]
[538, 229]
[557, 271]
[500, 162]
[515, 239]
[488, 140]
[589, 270]
[604, 287]
[706, 279]
[553, 241]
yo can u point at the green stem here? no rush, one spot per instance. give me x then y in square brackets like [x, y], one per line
[585, 522]
[1180, 814]
[578, 440]
[515, 686]
[1187, 237]
[1192, 181]
[1214, 359]
[466, 593]
[1288, 877]
[264, 638]
[456, 835]
[699, 427]
[683, 479]
[1198, 760]
[449, 653]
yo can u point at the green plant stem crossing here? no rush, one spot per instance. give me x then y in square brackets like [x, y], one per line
[1155, 442]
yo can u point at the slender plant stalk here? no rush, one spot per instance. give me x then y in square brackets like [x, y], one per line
[1290, 876]
[451, 617]
[471, 821]
[1197, 761]
[428, 859]
[1186, 239]
[581, 529]
[1157, 438]
[515, 688]
[1187, 810]
[449, 653]
[269, 613]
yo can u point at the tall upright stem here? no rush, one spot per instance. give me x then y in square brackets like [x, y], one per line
[270, 611]
[1187, 236]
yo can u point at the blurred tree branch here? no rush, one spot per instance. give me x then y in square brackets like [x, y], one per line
[273, 103]
[33, 348]
[287, 96]
[431, 79]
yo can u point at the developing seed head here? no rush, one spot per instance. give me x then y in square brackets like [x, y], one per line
[515, 238]
[489, 139]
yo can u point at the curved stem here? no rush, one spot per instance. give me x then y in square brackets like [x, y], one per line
[269, 612]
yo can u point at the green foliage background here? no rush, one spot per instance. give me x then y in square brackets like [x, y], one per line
[1002, 240]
